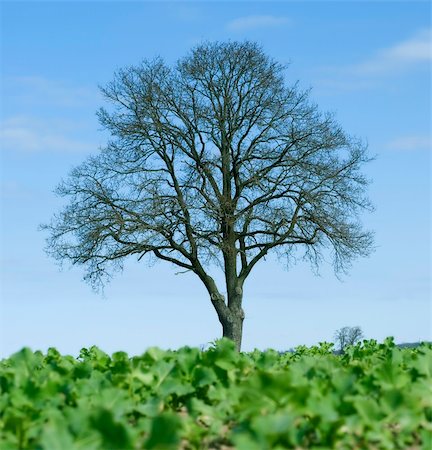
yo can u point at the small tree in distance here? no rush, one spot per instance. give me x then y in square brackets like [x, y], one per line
[346, 336]
[213, 160]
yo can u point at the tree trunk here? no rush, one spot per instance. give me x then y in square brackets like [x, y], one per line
[230, 315]
[233, 326]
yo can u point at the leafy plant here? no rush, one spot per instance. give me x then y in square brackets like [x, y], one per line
[375, 395]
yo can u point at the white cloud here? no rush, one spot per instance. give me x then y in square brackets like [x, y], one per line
[27, 134]
[253, 22]
[405, 54]
[38, 90]
[12, 190]
[331, 85]
[187, 12]
[409, 54]
[410, 143]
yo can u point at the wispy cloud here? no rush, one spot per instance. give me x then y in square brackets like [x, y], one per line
[410, 143]
[331, 85]
[409, 54]
[12, 190]
[32, 90]
[187, 12]
[406, 54]
[253, 22]
[27, 134]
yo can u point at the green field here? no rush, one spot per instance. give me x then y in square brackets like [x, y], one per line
[375, 396]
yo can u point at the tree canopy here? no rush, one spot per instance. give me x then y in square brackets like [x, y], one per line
[347, 336]
[215, 159]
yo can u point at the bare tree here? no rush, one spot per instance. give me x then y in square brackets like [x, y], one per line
[346, 336]
[216, 159]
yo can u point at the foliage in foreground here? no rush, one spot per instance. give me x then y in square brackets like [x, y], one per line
[375, 396]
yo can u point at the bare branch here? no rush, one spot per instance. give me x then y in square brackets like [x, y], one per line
[216, 160]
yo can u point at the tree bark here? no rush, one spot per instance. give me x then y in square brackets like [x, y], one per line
[232, 326]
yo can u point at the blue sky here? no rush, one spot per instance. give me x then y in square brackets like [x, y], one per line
[369, 63]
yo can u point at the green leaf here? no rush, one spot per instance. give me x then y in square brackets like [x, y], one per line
[120, 363]
[114, 434]
[423, 362]
[203, 376]
[187, 359]
[175, 386]
[154, 354]
[165, 432]
[9, 441]
[162, 369]
[368, 409]
[151, 408]
[324, 406]
[246, 442]
[273, 425]
[146, 378]
[56, 436]
[426, 439]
